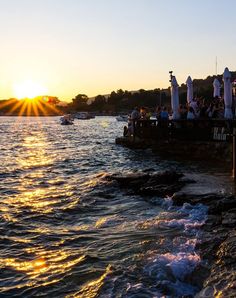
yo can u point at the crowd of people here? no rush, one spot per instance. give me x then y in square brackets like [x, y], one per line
[198, 108]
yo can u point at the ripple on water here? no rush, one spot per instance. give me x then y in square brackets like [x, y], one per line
[68, 232]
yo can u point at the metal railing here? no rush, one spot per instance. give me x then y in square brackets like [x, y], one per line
[194, 130]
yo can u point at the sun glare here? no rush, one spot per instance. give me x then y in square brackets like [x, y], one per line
[31, 99]
[29, 89]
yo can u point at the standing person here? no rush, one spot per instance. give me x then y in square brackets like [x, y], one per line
[183, 111]
[158, 113]
[191, 114]
[143, 113]
[148, 114]
[135, 115]
[164, 114]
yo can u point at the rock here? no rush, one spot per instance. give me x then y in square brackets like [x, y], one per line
[217, 248]
[154, 184]
[166, 177]
[211, 200]
[222, 204]
[161, 190]
[198, 276]
[129, 180]
[149, 170]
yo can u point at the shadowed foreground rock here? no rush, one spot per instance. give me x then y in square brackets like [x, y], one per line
[158, 184]
[217, 273]
[218, 244]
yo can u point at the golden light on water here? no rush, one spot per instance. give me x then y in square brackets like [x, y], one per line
[104, 124]
[91, 289]
[35, 157]
[43, 266]
[100, 222]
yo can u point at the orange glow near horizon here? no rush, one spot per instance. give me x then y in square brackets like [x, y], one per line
[31, 107]
[32, 104]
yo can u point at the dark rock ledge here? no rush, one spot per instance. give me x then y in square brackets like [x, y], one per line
[217, 273]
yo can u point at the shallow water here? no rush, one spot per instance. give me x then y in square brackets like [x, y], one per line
[68, 232]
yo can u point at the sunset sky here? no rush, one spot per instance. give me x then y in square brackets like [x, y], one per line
[66, 47]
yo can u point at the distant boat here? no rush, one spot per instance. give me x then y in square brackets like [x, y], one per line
[83, 115]
[67, 120]
[122, 118]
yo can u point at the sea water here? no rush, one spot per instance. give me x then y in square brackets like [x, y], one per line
[67, 231]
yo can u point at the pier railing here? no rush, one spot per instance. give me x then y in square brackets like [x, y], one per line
[192, 130]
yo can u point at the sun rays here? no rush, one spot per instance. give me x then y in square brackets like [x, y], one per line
[38, 106]
[30, 101]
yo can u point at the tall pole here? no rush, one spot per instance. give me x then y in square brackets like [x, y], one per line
[234, 153]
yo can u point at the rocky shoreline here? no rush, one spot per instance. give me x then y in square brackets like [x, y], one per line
[216, 275]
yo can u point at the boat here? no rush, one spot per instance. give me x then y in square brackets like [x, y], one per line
[122, 118]
[83, 115]
[67, 120]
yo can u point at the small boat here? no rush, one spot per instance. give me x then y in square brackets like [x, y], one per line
[122, 118]
[67, 120]
[83, 115]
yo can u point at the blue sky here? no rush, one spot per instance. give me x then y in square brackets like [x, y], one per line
[97, 46]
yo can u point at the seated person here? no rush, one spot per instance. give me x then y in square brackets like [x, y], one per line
[126, 131]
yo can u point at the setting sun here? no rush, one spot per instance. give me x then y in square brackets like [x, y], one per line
[29, 89]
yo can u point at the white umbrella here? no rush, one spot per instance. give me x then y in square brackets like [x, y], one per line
[175, 98]
[227, 94]
[216, 85]
[189, 83]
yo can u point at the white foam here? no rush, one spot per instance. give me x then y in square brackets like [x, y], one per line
[181, 263]
[188, 218]
[172, 266]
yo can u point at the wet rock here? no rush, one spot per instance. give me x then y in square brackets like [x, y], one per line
[129, 180]
[216, 275]
[209, 245]
[222, 204]
[198, 276]
[217, 246]
[166, 177]
[180, 198]
[229, 219]
[161, 184]
[159, 190]
[148, 170]
[227, 250]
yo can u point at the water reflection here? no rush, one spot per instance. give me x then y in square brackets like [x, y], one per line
[62, 223]
[91, 290]
[34, 152]
[35, 159]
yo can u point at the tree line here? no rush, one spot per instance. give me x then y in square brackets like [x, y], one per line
[124, 101]
[120, 101]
